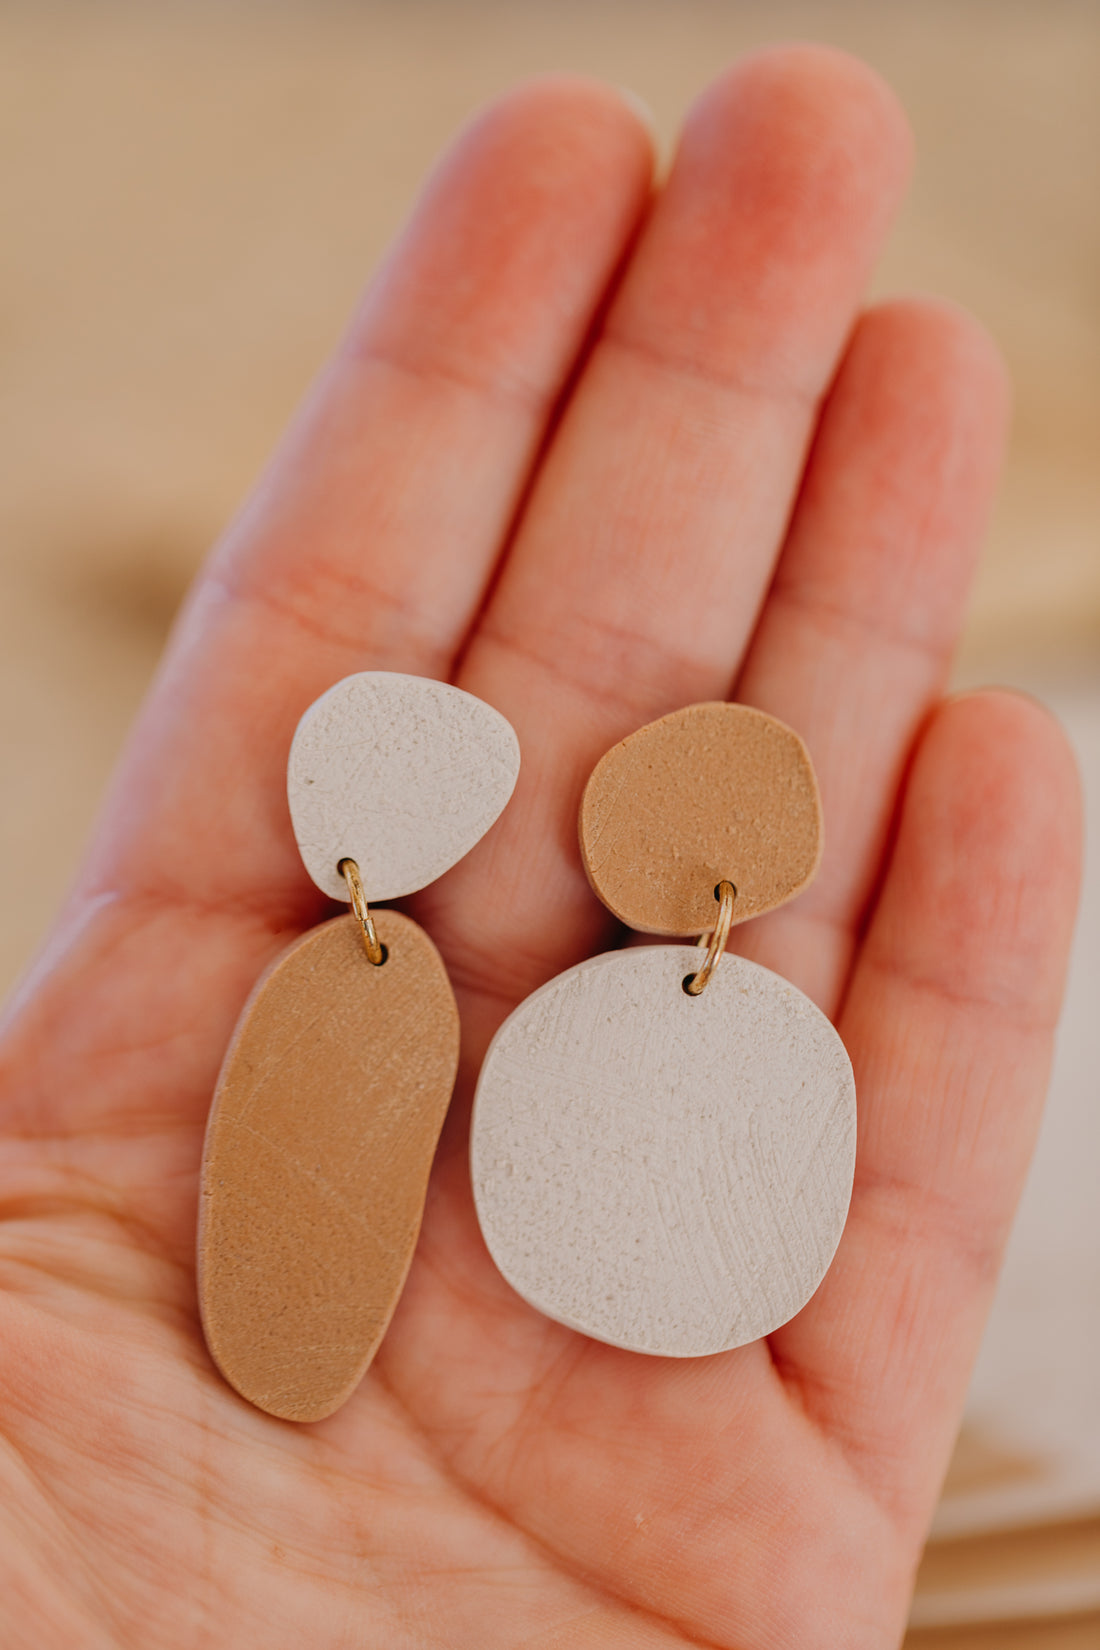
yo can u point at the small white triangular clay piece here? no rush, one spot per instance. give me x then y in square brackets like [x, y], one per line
[400, 773]
[663, 1172]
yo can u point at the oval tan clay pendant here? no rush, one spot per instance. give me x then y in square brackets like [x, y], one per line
[663, 1137]
[334, 1090]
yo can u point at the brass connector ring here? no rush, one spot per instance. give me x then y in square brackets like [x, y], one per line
[375, 950]
[715, 943]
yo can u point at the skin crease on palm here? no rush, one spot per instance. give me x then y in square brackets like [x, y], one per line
[594, 453]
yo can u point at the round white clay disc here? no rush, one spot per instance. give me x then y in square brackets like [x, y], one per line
[400, 773]
[666, 1173]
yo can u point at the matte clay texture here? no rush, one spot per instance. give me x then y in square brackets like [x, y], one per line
[711, 792]
[667, 1173]
[318, 1150]
[400, 773]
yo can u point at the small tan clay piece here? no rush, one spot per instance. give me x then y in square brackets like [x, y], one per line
[318, 1150]
[711, 792]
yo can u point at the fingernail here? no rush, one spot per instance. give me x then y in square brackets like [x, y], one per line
[641, 108]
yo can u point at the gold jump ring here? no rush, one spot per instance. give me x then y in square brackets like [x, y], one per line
[726, 893]
[374, 948]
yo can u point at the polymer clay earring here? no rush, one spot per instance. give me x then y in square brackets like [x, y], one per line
[335, 1086]
[663, 1139]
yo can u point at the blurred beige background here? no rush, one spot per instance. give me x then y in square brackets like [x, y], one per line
[193, 195]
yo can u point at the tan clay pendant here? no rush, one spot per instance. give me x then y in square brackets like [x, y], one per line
[333, 1093]
[663, 1138]
[709, 792]
[320, 1141]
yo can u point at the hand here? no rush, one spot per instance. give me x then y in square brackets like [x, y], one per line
[594, 456]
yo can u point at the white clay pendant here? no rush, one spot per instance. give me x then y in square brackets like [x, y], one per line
[669, 1169]
[334, 1090]
[400, 773]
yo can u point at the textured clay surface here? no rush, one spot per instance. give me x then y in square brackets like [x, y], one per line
[667, 1173]
[711, 792]
[400, 773]
[318, 1149]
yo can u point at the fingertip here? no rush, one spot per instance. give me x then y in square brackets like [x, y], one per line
[834, 104]
[552, 121]
[788, 172]
[902, 474]
[638, 105]
[514, 238]
[947, 341]
[994, 822]
[1020, 742]
[924, 391]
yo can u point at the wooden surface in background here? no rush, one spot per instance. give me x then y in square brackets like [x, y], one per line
[1075, 1633]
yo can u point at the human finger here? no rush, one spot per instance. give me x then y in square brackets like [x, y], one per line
[950, 1021]
[369, 543]
[863, 617]
[644, 553]
[371, 539]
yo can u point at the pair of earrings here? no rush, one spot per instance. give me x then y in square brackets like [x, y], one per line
[663, 1137]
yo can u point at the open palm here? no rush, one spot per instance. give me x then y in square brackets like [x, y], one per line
[594, 453]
